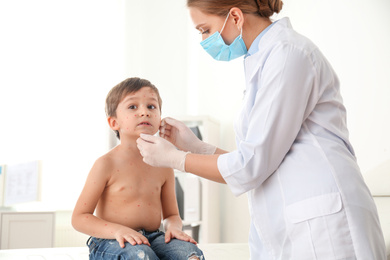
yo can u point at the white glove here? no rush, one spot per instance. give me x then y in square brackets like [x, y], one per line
[160, 153]
[183, 138]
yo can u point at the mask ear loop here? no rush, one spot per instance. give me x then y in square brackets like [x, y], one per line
[223, 27]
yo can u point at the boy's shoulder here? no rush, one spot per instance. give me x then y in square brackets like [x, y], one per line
[114, 159]
[117, 158]
[105, 161]
[108, 159]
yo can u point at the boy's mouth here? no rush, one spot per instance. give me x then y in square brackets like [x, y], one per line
[145, 123]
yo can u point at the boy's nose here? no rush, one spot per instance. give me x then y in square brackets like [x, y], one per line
[144, 112]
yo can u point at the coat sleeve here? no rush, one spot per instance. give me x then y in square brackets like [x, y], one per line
[284, 92]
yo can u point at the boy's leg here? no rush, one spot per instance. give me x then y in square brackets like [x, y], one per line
[174, 250]
[103, 249]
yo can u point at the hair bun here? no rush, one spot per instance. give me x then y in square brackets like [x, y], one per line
[267, 8]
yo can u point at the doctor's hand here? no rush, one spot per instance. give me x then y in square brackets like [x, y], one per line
[158, 152]
[183, 138]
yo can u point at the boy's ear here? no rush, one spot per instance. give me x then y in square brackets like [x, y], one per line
[112, 123]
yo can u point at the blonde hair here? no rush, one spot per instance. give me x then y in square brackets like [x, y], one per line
[263, 8]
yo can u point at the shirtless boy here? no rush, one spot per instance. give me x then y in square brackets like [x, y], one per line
[128, 196]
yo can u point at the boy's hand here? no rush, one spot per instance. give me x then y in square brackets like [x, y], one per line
[125, 234]
[175, 233]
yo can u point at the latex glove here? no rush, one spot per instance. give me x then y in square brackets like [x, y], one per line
[158, 152]
[183, 138]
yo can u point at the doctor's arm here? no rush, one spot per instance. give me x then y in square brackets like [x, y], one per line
[204, 166]
[158, 152]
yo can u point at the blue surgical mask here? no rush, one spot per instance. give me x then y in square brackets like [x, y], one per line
[219, 50]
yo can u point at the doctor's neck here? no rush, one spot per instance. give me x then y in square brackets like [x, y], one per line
[252, 27]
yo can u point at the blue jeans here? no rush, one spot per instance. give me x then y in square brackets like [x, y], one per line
[176, 249]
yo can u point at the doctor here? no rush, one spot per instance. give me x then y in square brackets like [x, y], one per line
[307, 197]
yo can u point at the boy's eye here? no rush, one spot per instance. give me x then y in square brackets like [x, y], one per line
[152, 107]
[132, 107]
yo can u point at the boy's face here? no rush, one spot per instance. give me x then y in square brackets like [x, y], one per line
[138, 112]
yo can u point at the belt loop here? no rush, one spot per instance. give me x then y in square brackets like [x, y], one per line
[89, 239]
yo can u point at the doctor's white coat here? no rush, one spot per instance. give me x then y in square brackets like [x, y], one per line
[307, 197]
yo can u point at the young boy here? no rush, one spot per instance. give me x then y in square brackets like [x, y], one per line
[129, 196]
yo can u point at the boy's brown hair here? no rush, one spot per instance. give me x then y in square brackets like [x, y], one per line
[120, 91]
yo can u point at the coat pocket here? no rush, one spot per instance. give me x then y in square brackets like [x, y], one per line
[314, 207]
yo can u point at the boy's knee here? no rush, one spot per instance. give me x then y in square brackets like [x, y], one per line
[138, 252]
[194, 256]
[197, 254]
[142, 255]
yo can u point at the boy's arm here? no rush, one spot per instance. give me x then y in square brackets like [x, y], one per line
[83, 219]
[172, 221]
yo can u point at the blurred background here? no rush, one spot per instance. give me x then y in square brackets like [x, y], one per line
[59, 59]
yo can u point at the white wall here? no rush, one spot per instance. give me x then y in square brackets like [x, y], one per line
[156, 48]
[58, 59]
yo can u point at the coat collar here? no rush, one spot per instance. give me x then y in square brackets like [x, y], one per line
[253, 63]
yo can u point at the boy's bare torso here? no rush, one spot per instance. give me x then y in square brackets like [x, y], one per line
[132, 196]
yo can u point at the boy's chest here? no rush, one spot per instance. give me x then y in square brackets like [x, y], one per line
[136, 180]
